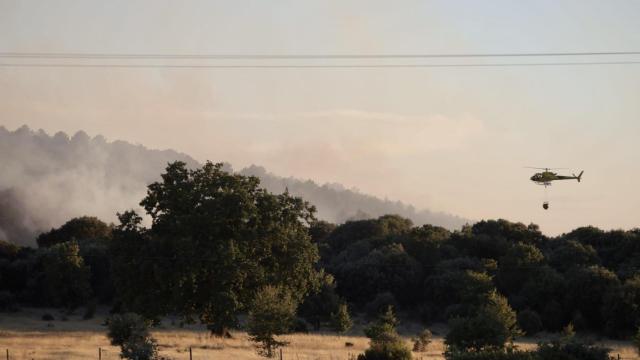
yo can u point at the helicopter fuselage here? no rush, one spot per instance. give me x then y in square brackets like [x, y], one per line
[545, 178]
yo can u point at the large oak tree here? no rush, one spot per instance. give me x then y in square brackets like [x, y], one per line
[216, 238]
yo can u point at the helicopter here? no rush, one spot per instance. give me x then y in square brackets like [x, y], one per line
[547, 176]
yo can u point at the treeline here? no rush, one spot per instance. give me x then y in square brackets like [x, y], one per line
[219, 245]
[588, 277]
[47, 179]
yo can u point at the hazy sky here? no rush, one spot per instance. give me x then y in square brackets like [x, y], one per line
[448, 139]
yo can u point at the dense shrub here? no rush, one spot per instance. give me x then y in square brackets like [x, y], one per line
[318, 306]
[65, 276]
[340, 320]
[491, 328]
[491, 355]
[529, 321]
[388, 350]
[272, 313]
[571, 350]
[383, 327]
[131, 333]
[386, 344]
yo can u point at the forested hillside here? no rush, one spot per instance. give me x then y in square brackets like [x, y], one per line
[46, 180]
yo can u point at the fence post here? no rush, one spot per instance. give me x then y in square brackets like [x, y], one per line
[7, 354]
[99, 353]
[280, 353]
[190, 354]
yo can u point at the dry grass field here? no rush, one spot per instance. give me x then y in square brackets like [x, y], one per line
[28, 337]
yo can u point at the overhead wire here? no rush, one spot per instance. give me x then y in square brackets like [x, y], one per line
[84, 60]
[310, 66]
[239, 56]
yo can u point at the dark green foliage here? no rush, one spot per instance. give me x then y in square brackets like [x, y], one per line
[386, 344]
[65, 276]
[586, 291]
[131, 332]
[568, 254]
[515, 232]
[380, 304]
[384, 326]
[143, 349]
[353, 231]
[340, 320]
[553, 316]
[543, 286]
[621, 309]
[389, 350]
[517, 266]
[457, 292]
[556, 350]
[492, 326]
[529, 321]
[95, 254]
[424, 244]
[571, 350]
[318, 306]
[78, 229]
[385, 269]
[123, 327]
[491, 355]
[272, 313]
[216, 239]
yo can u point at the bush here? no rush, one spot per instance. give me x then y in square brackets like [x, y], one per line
[131, 332]
[423, 340]
[65, 276]
[141, 349]
[272, 313]
[571, 350]
[386, 344]
[384, 325]
[395, 350]
[490, 329]
[341, 321]
[47, 317]
[529, 321]
[492, 355]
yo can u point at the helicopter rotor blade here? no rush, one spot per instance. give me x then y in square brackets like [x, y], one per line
[544, 168]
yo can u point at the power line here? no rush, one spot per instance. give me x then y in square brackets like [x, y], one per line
[309, 66]
[75, 55]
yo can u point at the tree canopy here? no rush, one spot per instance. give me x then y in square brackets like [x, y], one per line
[216, 238]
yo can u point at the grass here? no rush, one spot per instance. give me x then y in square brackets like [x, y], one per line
[28, 337]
